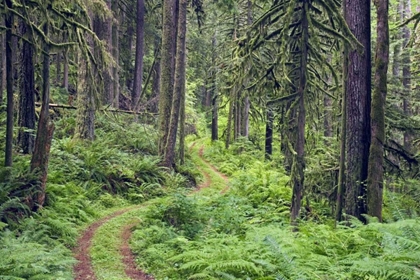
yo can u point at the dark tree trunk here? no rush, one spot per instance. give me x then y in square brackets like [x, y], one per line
[138, 66]
[215, 118]
[2, 63]
[45, 132]
[127, 57]
[167, 71]
[9, 86]
[358, 94]
[26, 117]
[269, 134]
[229, 124]
[179, 87]
[156, 80]
[375, 180]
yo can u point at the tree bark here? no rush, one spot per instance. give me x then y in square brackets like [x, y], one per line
[116, 56]
[167, 71]
[138, 66]
[85, 119]
[2, 63]
[26, 117]
[406, 78]
[298, 166]
[375, 180]
[179, 87]
[45, 131]
[269, 134]
[9, 85]
[358, 94]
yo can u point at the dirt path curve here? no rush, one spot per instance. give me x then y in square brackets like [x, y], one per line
[83, 270]
[129, 259]
[223, 176]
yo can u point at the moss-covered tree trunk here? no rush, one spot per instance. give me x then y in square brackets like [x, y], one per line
[116, 55]
[167, 71]
[179, 87]
[375, 180]
[138, 65]
[358, 94]
[45, 131]
[26, 116]
[9, 23]
[85, 119]
[298, 166]
[406, 78]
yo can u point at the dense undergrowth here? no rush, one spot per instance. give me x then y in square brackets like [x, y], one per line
[245, 234]
[85, 181]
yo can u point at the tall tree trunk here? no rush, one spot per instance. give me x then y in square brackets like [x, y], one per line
[247, 104]
[358, 94]
[167, 71]
[298, 166]
[182, 116]
[9, 85]
[58, 67]
[26, 117]
[343, 137]
[85, 119]
[116, 55]
[375, 178]
[2, 63]
[65, 83]
[138, 66]
[179, 86]
[229, 124]
[406, 69]
[45, 131]
[156, 79]
[269, 134]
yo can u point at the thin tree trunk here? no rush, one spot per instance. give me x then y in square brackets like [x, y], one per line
[9, 85]
[116, 55]
[406, 69]
[375, 180]
[182, 128]
[167, 71]
[358, 94]
[2, 63]
[215, 118]
[341, 174]
[26, 117]
[138, 66]
[269, 134]
[65, 83]
[45, 131]
[229, 124]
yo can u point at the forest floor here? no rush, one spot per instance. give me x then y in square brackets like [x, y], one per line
[86, 270]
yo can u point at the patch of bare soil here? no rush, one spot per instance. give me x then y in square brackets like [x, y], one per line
[129, 259]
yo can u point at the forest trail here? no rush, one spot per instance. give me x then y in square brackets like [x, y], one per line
[83, 270]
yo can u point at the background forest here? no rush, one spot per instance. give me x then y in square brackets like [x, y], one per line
[309, 107]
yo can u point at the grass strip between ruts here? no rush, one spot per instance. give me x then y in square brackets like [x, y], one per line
[105, 249]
